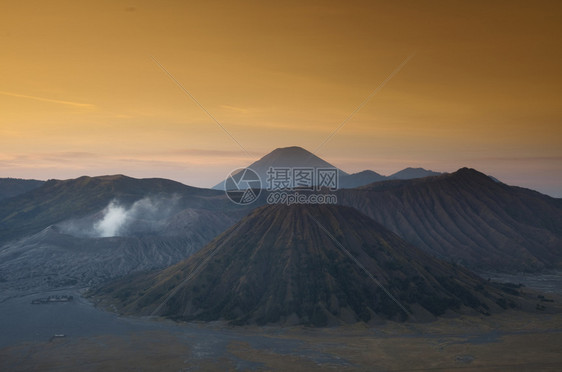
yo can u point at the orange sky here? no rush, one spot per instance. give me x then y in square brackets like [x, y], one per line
[80, 93]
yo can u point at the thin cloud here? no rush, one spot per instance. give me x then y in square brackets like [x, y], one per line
[60, 102]
[214, 153]
[557, 159]
[242, 110]
[236, 109]
[41, 160]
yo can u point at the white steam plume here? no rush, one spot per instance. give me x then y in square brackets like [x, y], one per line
[145, 216]
[114, 219]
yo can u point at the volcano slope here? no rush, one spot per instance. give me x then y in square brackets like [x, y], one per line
[83, 231]
[468, 218]
[307, 265]
[57, 201]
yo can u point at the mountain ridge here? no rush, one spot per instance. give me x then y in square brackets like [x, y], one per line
[10, 187]
[58, 200]
[469, 218]
[410, 173]
[298, 157]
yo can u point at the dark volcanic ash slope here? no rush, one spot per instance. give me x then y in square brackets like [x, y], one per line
[57, 201]
[53, 258]
[468, 218]
[279, 265]
[86, 230]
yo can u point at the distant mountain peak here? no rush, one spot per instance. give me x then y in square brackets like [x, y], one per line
[298, 157]
[467, 170]
[473, 174]
[286, 157]
[410, 173]
[292, 154]
[291, 148]
[360, 179]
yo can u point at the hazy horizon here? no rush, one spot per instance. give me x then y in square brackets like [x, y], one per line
[86, 88]
[185, 179]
